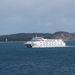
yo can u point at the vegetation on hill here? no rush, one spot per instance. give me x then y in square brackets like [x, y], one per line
[28, 36]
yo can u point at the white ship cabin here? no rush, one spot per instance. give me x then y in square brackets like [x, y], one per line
[42, 39]
[38, 39]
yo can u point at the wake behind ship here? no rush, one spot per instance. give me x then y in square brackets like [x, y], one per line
[39, 42]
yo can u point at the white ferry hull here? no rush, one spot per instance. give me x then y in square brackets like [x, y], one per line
[29, 46]
[47, 47]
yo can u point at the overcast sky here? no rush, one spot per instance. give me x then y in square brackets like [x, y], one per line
[17, 16]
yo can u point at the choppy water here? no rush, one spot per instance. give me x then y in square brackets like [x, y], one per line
[15, 59]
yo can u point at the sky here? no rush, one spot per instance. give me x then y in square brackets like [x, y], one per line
[31, 16]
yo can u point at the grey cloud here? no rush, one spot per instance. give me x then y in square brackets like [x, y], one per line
[52, 15]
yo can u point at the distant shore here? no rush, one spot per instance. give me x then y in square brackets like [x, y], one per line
[22, 37]
[13, 42]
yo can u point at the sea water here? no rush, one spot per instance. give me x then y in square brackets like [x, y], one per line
[15, 59]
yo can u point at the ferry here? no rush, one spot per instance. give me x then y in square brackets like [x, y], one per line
[40, 42]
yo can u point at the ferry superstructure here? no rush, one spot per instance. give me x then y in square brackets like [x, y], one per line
[39, 42]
